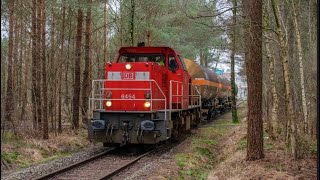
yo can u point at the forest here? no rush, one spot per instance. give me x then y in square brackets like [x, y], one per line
[52, 50]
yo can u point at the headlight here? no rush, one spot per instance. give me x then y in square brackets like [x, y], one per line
[108, 103]
[128, 66]
[147, 104]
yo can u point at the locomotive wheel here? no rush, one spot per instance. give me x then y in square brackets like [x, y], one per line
[208, 117]
[212, 113]
[182, 127]
[198, 117]
[178, 128]
[194, 122]
[175, 132]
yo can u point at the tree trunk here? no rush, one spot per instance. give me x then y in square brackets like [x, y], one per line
[26, 84]
[67, 65]
[38, 65]
[132, 23]
[253, 56]
[105, 42]
[275, 128]
[52, 74]
[232, 54]
[21, 58]
[9, 92]
[15, 51]
[121, 24]
[77, 61]
[206, 58]
[44, 72]
[148, 34]
[312, 14]
[50, 80]
[202, 58]
[274, 95]
[86, 83]
[34, 51]
[299, 48]
[60, 74]
[291, 132]
[265, 106]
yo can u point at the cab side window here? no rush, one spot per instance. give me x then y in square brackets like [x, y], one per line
[173, 65]
[182, 62]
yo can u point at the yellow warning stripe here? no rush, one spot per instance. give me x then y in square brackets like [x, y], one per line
[209, 83]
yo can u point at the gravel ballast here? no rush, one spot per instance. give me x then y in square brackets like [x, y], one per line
[42, 169]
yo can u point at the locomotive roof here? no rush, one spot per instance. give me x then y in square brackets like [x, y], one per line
[147, 49]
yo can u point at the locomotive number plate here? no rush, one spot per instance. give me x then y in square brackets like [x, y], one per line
[128, 96]
[128, 75]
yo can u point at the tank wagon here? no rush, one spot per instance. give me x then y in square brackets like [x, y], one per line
[215, 90]
[151, 94]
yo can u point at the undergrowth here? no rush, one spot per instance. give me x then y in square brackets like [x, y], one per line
[9, 157]
[19, 152]
[197, 163]
[202, 155]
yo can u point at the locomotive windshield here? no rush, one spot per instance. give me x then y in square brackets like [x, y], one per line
[141, 58]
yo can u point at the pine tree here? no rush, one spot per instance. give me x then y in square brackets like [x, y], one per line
[86, 81]
[253, 60]
[233, 49]
[76, 84]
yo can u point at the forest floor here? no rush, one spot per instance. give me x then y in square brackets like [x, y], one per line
[277, 163]
[218, 151]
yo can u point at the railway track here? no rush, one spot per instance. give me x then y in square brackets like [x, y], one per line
[125, 166]
[75, 165]
[101, 166]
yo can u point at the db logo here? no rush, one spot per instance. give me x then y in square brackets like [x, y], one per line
[127, 75]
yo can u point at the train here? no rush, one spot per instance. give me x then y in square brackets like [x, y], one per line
[152, 94]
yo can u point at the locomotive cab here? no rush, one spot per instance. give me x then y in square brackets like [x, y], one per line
[157, 68]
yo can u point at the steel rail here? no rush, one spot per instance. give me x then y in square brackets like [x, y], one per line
[117, 171]
[74, 165]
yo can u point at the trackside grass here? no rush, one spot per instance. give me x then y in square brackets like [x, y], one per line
[202, 154]
[18, 152]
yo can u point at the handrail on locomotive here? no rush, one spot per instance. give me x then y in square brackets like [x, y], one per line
[96, 99]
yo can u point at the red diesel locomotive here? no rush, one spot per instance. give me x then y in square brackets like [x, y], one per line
[151, 94]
